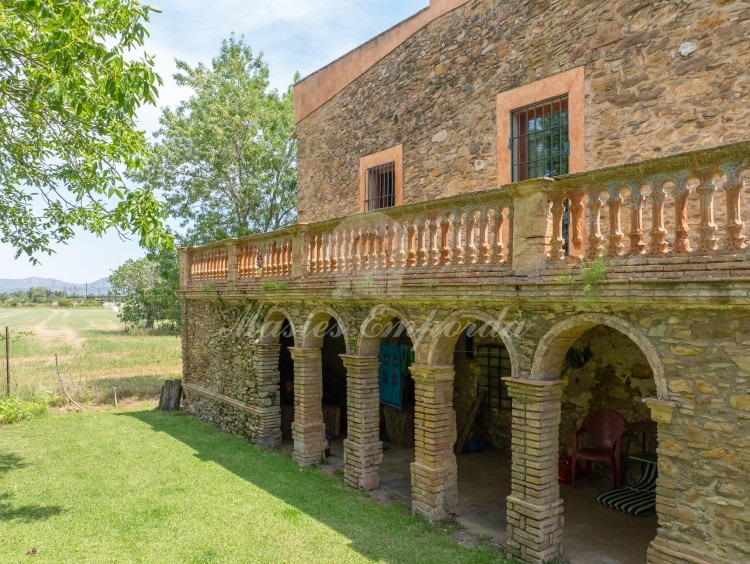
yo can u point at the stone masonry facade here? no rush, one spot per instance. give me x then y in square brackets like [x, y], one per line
[661, 78]
[701, 402]
[623, 284]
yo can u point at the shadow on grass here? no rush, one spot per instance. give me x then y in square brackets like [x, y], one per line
[10, 462]
[24, 513]
[376, 532]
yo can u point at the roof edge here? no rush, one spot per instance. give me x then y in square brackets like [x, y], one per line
[316, 89]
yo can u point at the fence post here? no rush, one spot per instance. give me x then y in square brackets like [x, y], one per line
[7, 361]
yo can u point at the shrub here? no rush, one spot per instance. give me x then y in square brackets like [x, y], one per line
[13, 409]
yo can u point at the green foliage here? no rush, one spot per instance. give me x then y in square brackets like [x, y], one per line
[13, 410]
[590, 273]
[272, 285]
[225, 158]
[147, 289]
[70, 87]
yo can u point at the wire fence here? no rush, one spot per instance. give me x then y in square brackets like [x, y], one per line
[89, 350]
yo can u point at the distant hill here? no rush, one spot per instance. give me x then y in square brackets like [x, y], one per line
[101, 286]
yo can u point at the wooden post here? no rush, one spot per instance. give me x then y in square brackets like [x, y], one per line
[7, 361]
[171, 394]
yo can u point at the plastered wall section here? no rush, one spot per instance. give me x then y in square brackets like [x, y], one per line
[660, 78]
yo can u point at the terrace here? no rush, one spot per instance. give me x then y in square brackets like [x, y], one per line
[670, 218]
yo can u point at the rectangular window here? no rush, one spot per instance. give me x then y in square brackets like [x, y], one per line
[381, 179]
[494, 364]
[381, 186]
[539, 141]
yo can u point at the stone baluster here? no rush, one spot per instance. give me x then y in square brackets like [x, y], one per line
[498, 220]
[637, 199]
[445, 250]
[277, 268]
[327, 252]
[421, 248]
[383, 237]
[707, 241]
[458, 244]
[576, 247]
[334, 251]
[357, 249]
[308, 428]
[411, 243]
[434, 479]
[471, 227]
[658, 234]
[363, 451]
[616, 237]
[393, 240]
[290, 257]
[340, 246]
[596, 240]
[534, 507]
[681, 226]
[402, 233]
[509, 243]
[484, 228]
[733, 185]
[365, 248]
[347, 262]
[434, 258]
[268, 430]
[557, 251]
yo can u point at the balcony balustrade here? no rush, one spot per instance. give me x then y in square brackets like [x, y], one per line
[671, 211]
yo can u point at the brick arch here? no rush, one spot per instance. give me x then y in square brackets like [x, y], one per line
[373, 326]
[312, 336]
[551, 351]
[445, 337]
[270, 329]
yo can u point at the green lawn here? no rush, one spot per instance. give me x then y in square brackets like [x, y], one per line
[148, 486]
[94, 351]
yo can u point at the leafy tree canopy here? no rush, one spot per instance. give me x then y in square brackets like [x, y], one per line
[226, 158]
[147, 294]
[70, 85]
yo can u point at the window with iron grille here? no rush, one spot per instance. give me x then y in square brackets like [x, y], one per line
[381, 186]
[539, 139]
[494, 365]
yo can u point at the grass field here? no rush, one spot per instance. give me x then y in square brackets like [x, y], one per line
[95, 354]
[150, 486]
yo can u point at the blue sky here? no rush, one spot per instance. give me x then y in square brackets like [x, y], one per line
[294, 35]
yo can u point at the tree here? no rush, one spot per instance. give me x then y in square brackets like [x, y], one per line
[69, 91]
[226, 157]
[137, 283]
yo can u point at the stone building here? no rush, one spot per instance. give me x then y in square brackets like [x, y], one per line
[544, 201]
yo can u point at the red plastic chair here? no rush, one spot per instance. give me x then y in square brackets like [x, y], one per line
[606, 428]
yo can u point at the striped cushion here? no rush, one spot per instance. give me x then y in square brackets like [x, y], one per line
[638, 499]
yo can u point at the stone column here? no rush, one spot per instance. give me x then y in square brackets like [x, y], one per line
[308, 428]
[534, 507]
[434, 476]
[363, 451]
[268, 432]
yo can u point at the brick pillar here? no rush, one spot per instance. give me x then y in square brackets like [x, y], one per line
[268, 432]
[363, 451]
[534, 507]
[676, 518]
[434, 476]
[308, 428]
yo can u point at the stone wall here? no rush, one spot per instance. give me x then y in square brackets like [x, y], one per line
[662, 77]
[493, 421]
[605, 369]
[695, 355]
